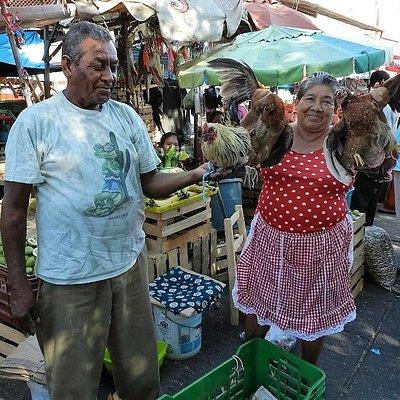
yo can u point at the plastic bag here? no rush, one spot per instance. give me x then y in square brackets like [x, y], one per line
[263, 394]
[280, 338]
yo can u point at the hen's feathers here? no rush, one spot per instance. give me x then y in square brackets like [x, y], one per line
[281, 147]
[230, 147]
[333, 148]
[237, 79]
[393, 85]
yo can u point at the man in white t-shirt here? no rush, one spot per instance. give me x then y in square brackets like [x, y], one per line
[90, 160]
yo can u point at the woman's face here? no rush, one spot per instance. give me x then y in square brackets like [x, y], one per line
[316, 108]
[172, 140]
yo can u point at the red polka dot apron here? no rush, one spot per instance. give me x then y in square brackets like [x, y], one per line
[293, 270]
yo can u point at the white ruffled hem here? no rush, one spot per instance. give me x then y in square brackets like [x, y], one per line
[299, 335]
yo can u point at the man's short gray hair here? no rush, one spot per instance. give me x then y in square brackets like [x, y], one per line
[72, 41]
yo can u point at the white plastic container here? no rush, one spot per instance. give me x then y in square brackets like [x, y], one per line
[183, 334]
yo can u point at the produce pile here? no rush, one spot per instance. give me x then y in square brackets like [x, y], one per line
[31, 252]
[172, 158]
[193, 192]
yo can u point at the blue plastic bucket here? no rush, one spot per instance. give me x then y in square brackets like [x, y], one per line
[38, 391]
[349, 194]
[230, 196]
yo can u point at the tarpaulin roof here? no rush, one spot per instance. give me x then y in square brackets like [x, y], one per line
[264, 14]
[280, 55]
[180, 20]
[30, 53]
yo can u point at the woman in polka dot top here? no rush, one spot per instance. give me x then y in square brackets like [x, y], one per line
[293, 271]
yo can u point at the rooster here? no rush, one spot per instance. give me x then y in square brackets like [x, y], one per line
[270, 134]
[225, 146]
[361, 140]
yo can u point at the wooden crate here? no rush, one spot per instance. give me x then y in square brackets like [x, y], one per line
[146, 113]
[9, 340]
[195, 255]
[5, 310]
[357, 269]
[171, 229]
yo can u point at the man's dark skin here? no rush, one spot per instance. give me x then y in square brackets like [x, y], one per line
[90, 83]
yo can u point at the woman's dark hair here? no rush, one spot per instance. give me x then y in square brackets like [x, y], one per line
[166, 136]
[318, 78]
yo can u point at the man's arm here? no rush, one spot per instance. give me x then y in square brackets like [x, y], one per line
[157, 184]
[13, 231]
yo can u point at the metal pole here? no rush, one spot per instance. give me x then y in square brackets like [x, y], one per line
[46, 60]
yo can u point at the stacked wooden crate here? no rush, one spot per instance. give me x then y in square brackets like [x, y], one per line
[180, 236]
[146, 113]
[9, 340]
[357, 270]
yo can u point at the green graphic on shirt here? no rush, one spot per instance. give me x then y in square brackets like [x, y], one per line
[114, 170]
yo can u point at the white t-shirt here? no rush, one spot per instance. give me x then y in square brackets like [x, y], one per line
[86, 166]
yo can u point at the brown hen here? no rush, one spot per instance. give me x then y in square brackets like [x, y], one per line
[362, 140]
[271, 135]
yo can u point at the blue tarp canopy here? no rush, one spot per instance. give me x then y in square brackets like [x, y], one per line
[31, 51]
[31, 54]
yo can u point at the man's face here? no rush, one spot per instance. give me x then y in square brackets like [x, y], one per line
[91, 79]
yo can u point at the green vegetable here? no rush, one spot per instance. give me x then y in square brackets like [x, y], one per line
[32, 205]
[1, 250]
[29, 270]
[30, 262]
[182, 155]
[2, 260]
[28, 250]
[356, 213]
[169, 156]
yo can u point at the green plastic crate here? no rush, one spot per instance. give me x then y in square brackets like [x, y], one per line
[258, 363]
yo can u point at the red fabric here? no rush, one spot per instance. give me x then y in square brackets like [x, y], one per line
[264, 15]
[297, 282]
[300, 195]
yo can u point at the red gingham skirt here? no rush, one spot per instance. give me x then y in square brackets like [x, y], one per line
[298, 282]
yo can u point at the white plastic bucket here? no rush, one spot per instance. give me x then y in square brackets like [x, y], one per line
[183, 334]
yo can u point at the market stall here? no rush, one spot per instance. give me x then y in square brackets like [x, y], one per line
[179, 229]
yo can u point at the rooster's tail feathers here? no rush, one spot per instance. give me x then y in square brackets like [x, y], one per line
[237, 79]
